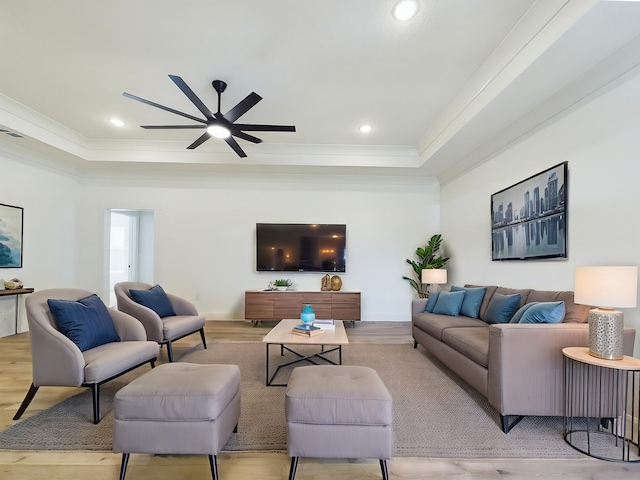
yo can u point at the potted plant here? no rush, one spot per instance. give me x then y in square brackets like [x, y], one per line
[282, 284]
[428, 257]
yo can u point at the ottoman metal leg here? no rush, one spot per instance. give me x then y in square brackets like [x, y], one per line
[385, 472]
[214, 466]
[123, 467]
[292, 470]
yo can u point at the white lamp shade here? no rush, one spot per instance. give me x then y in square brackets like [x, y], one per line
[610, 287]
[435, 276]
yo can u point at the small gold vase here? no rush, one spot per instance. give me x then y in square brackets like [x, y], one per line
[336, 283]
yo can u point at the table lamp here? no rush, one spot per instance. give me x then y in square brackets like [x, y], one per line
[606, 288]
[434, 276]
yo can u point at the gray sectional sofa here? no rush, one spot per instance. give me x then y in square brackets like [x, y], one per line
[517, 367]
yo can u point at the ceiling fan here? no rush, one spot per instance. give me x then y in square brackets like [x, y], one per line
[216, 124]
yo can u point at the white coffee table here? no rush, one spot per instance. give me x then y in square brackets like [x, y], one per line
[281, 335]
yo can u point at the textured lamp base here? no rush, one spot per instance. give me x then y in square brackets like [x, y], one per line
[606, 330]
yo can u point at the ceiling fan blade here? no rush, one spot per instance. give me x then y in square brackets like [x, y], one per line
[236, 148]
[243, 107]
[265, 128]
[203, 138]
[162, 107]
[192, 96]
[247, 137]
[159, 127]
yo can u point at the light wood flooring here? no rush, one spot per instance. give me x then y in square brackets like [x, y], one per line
[15, 378]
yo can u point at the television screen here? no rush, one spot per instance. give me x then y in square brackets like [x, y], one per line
[529, 219]
[296, 247]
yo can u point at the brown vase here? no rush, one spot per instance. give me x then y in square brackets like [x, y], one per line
[336, 283]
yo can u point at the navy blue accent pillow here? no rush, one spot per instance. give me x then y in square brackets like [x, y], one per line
[502, 307]
[472, 300]
[449, 303]
[86, 323]
[156, 299]
[433, 298]
[544, 312]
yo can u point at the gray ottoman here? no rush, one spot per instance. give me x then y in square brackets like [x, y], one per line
[338, 411]
[177, 408]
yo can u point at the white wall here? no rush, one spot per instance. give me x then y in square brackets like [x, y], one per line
[601, 142]
[205, 232]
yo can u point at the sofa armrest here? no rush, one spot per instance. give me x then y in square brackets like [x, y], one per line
[526, 375]
[417, 306]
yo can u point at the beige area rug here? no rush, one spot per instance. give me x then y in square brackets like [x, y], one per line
[435, 414]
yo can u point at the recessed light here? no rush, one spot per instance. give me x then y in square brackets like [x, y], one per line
[116, 122]
[405, 10]
[365, 128]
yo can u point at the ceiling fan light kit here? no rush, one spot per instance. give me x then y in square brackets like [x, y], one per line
[216, 124]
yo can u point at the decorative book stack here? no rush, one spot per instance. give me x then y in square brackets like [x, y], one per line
[306, 330]
[329, 325]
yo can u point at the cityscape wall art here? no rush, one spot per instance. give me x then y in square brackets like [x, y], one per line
[529, 219]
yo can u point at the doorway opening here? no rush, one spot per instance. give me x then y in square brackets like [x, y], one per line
[131, 247]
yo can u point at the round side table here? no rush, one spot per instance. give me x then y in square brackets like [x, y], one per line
[602, 405]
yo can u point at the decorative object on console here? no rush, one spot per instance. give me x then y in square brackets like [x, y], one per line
[308, 315]
[427, 259]
[326, 283]
[11, 236]
[282, 284]
[607, 288]
[529, 219]
[336, 283]
[14, 284]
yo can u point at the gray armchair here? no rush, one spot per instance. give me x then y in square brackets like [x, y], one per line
[163, 330]
[57, 361]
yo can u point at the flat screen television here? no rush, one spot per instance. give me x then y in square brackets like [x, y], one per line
[529, 219]
[301, 247]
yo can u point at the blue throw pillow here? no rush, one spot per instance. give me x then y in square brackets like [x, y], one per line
[431, 303]
[156, 299]
[449, 303]
[86, 323]
[472, 300]
[544, 312]
[518, 315]
[502, 307]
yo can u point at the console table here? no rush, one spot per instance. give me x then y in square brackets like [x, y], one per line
[272, 305]
[15, 292]
[602, 405]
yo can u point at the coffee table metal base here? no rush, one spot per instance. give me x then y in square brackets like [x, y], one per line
[301, 358]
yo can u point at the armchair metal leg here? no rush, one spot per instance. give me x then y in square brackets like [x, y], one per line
[214, 467]
[123, 466]
[27, 400]
[204, 341]
[170, 352]
[294, 466]
[383, 467]
[95, 391]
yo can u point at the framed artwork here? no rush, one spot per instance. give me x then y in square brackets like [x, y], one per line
[529, 219]
[10, 236]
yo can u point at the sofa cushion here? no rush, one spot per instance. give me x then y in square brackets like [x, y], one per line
[431, 302]
[472, 300]
[574, 312]
[156, 299]
[470, 341]
[543, 312]
[87, 322]
[434, 324]
[502, 308]
[524, 294]
[449, 303]
[487, 298]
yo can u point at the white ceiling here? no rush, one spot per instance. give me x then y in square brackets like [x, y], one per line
[443, 92]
